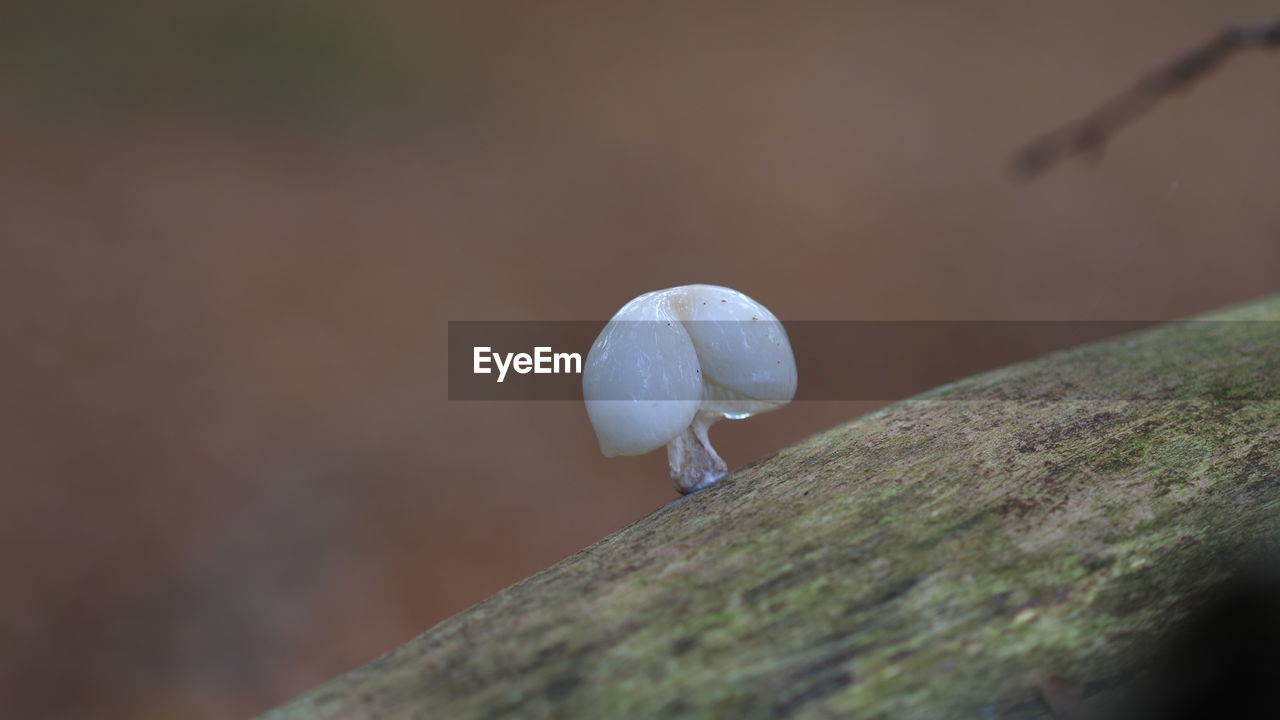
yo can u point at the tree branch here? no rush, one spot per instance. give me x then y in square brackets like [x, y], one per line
[1094, 130]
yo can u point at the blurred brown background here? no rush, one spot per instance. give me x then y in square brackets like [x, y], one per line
[232, 235]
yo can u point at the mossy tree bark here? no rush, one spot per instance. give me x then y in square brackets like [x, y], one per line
[929, 560]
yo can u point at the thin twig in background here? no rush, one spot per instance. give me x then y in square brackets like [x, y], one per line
[1091, 132]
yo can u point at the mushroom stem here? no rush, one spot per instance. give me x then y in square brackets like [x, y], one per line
[694, 463]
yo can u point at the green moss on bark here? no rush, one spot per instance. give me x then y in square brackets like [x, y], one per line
[926, 561]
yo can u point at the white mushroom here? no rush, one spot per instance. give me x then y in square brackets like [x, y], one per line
[672, 362]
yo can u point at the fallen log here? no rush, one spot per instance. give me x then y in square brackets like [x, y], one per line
[957, 554]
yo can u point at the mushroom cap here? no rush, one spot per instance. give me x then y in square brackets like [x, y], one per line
[669, 354]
